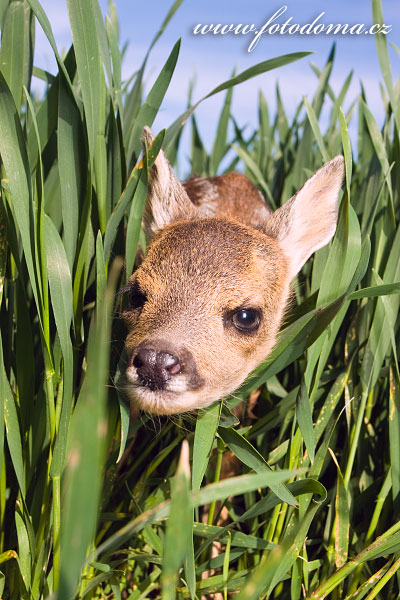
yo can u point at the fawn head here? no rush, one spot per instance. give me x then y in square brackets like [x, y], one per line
[207, 301]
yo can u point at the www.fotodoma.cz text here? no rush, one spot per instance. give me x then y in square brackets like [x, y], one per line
[273, 27]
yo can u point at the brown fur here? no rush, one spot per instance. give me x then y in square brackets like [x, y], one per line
[228, 195]
[217, 249]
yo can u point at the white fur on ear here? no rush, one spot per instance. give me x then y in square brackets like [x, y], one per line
[167, 200]
[308, 220]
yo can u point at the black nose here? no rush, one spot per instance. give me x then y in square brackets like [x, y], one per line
[155, 367]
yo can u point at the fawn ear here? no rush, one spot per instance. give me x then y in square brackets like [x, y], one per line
[167, 200]
[308, 220]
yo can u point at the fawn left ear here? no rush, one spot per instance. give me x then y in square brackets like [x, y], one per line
[167, 200]
[308, 220]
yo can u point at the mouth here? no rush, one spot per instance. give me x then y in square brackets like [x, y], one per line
[174, 398]
[162, 402]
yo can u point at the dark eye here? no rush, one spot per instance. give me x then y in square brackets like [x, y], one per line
[247, 319]
[136, 297]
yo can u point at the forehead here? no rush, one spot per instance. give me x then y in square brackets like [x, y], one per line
[218, 251]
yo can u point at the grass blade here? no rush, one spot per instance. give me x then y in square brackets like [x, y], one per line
[86, 454]
[220, 143]
[206, 427]
[304, 419]
[247, 454]
[16, 51]
[61, 300]
[15, 160]
[152, 104]
[312, 117]
[72, 155]
[179, 526]
[85, 37]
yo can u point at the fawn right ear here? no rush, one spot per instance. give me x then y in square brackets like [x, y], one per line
[167, 200]
[308, 220]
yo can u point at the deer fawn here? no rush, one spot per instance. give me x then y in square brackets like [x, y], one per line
[207, 301]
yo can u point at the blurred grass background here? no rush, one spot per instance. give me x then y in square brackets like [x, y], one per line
[91, 507]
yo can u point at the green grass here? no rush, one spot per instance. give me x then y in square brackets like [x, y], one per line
[91, 507]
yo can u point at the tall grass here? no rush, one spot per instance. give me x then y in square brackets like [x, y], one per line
[94, 507]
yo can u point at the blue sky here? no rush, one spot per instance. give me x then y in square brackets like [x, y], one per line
[211, 58]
